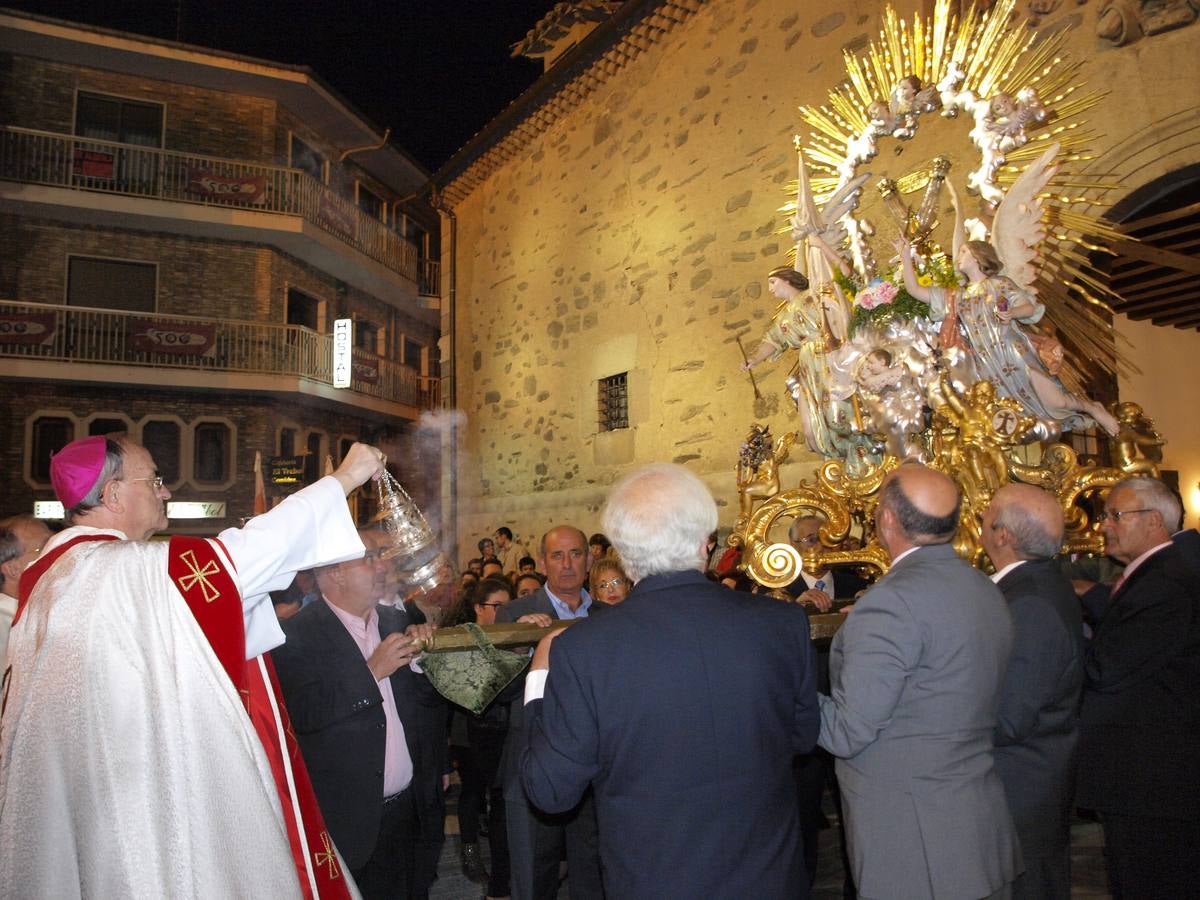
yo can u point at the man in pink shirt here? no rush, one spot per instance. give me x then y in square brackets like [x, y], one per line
[368, 726]
[1140, 722]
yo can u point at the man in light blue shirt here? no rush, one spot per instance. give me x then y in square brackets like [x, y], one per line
[535, 840]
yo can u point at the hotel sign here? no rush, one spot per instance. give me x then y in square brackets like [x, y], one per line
[343, 352]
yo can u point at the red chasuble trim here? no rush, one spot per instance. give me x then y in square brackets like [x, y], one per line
[199, 573]
[42, 564]
[213, 597]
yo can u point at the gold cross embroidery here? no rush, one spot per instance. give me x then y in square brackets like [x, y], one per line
[199, 576]
[328, 858]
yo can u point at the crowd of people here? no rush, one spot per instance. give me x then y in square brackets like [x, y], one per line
[169, 731]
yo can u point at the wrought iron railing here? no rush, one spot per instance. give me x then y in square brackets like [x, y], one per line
[131, 170]
[72, 334]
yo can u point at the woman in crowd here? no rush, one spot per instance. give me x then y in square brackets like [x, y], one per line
[608, 582]
[478, 768]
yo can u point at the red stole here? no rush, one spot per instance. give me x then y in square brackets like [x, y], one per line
[212, 595]
[41, 565]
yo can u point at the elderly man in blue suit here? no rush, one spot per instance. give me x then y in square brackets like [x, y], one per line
[916, 674]
[683, 708]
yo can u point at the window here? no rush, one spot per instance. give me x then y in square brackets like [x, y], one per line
[366, 335]
[164, 441]
[303, 310]
[212, 453]
[306, 159]
[287, 442]
[107, 426]
[370, 203]
[50, 434]
[312, 459]
[412, 354]
[614, 402]
[106, 118]
[344, 446]
[112, 284]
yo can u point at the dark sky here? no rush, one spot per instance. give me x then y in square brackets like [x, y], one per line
[435, 71]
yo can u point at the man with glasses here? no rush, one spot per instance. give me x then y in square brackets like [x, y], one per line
[21, 539]
[1140, 722]
[367, 725]
[143, 748]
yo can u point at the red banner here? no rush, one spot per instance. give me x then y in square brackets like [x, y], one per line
[333, 217]
[30, 329]
[366, 369]
[181, 338]
[243, 189]
[92, 163]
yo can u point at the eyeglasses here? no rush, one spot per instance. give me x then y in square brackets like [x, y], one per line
[155, 482]
[1116, 514]
[611, 584]
[807, 539]
[490, 604]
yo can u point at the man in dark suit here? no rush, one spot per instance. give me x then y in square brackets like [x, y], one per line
[1038, 723]
[916, 674]
[537, 838]
[371, 729]
[683, 708]
[1140, 722]
[813, 770]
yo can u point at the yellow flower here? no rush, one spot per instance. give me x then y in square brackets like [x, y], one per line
[925, 280]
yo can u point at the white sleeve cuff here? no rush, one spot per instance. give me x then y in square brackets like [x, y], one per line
[535, 684]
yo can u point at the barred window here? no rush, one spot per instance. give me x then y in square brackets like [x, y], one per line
[614, 402]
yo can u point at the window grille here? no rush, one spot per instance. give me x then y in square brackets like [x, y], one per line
[614, 402]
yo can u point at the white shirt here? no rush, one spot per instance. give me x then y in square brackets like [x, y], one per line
[8, 609]
[1012, 565]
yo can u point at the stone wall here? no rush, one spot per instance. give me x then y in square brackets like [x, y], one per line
[635, 234]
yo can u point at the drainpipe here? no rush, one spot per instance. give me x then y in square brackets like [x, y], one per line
[450, 398]
[387, 132]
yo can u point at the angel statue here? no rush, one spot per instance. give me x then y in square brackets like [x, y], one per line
[989, 313]
[813, 319]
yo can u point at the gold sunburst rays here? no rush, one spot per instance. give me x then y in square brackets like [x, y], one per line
[979, 55]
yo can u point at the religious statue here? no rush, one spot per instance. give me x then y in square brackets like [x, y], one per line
[758, 467]
[1138, 446]
[996, 302]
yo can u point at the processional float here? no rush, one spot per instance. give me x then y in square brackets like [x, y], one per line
[974, 369]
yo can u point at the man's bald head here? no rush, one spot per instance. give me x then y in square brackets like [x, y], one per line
[922, 503]
[1032, 518]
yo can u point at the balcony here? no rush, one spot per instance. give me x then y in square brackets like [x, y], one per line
[106, 346]
[241, 192]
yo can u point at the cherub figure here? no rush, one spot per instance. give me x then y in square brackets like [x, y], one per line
[986, 426]
[1137, 449]
[990, 310]
[1008, 118]
[893, 399]
[758, 468]
[883, 123]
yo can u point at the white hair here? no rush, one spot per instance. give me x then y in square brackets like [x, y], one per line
[659, 519]
[1153, 494]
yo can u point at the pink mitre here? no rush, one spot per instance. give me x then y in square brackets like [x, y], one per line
[75, 468]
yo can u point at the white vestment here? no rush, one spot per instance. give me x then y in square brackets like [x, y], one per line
[128, 765]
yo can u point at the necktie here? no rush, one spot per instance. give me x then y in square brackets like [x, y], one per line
[820, 585]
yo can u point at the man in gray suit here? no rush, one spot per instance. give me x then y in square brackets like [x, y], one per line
[915, 678]
[536, 839]
[1038, 726]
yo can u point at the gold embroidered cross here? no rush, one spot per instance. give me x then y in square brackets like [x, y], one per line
[328, 858]
[199, 576]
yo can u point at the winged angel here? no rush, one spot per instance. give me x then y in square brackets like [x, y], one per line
[993, 314]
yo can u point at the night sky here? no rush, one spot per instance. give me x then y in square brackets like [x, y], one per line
[435, 71]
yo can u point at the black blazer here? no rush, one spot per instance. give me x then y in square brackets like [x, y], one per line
[683, 707]
[1188, 543]
[1140, 722]
[337, 713]
[1038, 722]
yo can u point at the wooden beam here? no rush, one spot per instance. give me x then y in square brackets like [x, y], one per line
[1169, 216]
[1159, 256]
